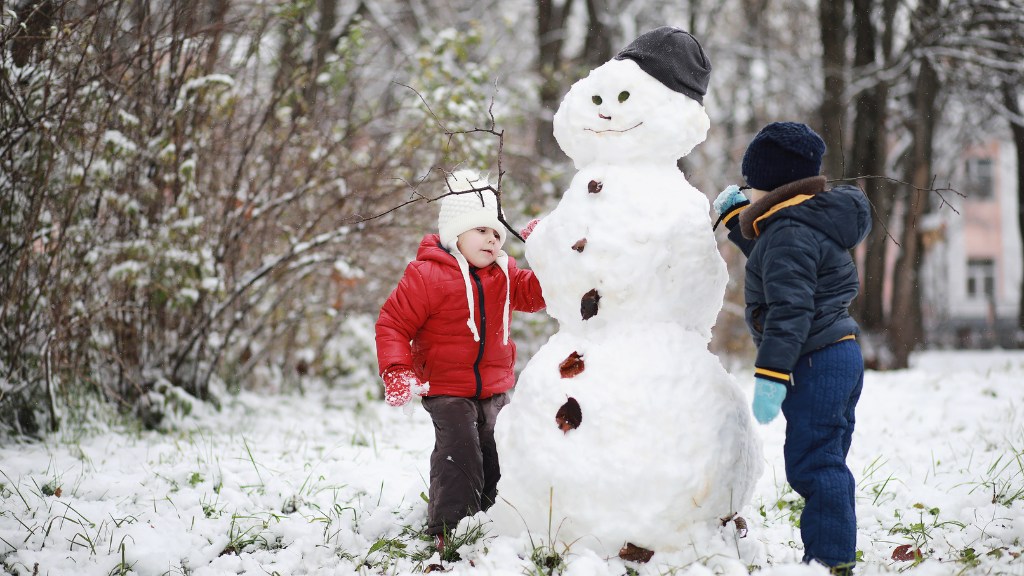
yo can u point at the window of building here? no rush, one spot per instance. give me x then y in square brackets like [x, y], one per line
[979, 178]
[981, 279]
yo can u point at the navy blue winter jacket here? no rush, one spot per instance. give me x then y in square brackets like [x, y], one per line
[800, 275]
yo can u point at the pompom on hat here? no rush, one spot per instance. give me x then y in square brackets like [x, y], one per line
[673, 57]
[462, 210]
[782, 152]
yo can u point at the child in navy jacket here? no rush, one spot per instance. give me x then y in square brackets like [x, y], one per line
[800, 281]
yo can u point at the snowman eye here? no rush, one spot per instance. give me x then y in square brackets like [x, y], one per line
[623, 96]
[596, 100]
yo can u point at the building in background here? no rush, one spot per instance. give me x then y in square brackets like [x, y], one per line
[971, 277]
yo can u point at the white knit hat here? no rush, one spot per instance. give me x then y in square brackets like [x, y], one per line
[462, 212]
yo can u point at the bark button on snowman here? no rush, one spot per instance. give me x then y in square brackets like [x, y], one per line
[624, 428]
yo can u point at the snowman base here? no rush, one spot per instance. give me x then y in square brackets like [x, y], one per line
[709, 545]
[653, 449]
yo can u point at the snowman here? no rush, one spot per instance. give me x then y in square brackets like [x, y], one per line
[625, 432]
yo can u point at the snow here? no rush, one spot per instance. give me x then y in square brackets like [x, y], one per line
[125, 269]
[347, 270]
[190, 88]
[934, 445]
[189, 294]
[208, 80]
[119, 141]
[128, 118]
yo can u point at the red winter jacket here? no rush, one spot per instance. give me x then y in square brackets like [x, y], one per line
[424, 323]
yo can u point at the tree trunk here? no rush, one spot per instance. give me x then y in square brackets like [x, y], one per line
[868, 158]
[557, 70]
[550, 68]
[215, 32]
[35, 18]
[597, 48]
[328, 10]
[832, 20]
[1012, 103]
[905, 321]
[286, 57]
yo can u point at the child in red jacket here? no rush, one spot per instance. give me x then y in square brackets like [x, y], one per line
[443, 334]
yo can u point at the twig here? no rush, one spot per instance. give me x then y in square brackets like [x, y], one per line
[919, 189]
[451, 134]
[939, 191]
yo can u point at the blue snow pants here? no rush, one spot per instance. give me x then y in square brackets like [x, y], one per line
[819, 411]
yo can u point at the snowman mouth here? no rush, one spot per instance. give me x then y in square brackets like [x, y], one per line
[611, 130]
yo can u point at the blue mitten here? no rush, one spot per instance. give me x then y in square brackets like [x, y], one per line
[768, 397]
[728, 199]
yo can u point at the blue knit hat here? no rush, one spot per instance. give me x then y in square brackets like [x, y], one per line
[782, 152]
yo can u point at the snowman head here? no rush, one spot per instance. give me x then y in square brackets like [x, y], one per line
[644, 106]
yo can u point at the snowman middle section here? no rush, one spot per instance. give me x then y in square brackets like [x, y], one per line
[637, 236]
[624, 427]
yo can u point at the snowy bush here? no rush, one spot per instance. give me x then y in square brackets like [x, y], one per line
[180, 209]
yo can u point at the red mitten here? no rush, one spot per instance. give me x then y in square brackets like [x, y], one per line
[525, 232]
[400, 382]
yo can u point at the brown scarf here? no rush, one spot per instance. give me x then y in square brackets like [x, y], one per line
[810, 186]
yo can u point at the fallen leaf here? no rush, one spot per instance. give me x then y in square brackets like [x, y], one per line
[905, 553]
[633, 553]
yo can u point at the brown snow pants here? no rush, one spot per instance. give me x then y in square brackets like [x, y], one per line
[464, 467]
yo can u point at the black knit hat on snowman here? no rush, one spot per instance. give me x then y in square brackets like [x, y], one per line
[782, 152]
[673, 57]
[466, 210]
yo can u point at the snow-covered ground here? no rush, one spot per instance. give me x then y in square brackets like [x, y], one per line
[328, 483]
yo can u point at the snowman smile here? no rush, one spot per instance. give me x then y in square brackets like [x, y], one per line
[612, 130]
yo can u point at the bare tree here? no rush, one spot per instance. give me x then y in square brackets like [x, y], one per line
[905, 324]
[832, 21]
[1011, 100]
[869, 153]
[558, 69]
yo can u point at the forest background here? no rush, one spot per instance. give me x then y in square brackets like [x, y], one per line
[205, 196]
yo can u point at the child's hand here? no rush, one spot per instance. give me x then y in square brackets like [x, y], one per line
[768, 397]
[400, 383]
[525, 232]
[728, 199]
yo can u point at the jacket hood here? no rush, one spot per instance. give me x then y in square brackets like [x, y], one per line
[841, 213]
[431, 250]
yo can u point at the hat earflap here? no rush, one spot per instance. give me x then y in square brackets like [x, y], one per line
[502, 261]
[464, 268]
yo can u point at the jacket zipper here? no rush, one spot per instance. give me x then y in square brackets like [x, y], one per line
[483, 332]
